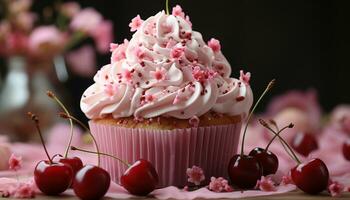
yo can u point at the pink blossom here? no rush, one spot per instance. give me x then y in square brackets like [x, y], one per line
[82, 61]
[266, 184]
[219, 185]
[335, 189]
[127, 75]
[25, 20]
[203, 75]
[70, 9]
[135, 23]
[195, 175]
[111, 89]
[244, 77]
[87, 20]
[15, 162]
[23, 190]
[139, 52]
[103, 36]
[149, 98]
[118, 51]
[159, 74]
[177, 11]
[286, 180]
[214, 44]
[46, 40]
[177, 52]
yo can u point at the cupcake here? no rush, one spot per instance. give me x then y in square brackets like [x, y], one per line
[167, 97]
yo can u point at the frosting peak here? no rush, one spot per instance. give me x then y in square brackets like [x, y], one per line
[166, 69]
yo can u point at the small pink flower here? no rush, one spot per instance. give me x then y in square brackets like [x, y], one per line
[219, 185]
[177, 11]
[244, 77]
[286, 180]
[135, 23]
[23, 190]
[139, 52]
[87, 20]
[266, 184]
[336, 189]
[111, 89]
[195, 175]
[15, 162]
[159, 74]
[214, 44]
[127, 75]
[118, 51]
[177, 52]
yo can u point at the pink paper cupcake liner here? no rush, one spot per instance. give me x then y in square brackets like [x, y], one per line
[170, 151]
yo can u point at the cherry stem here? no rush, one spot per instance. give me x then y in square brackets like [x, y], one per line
[100, 153]
[277, 134]
[167, 7]
[64, 115]
[36, 121]
[273, 122]
[262, 122]
[53, 96]
[269, 86]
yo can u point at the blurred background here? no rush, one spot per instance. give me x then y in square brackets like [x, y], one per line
[303, 44]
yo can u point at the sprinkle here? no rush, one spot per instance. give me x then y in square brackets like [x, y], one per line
[195, 175]
[177, 52]
[135, 23]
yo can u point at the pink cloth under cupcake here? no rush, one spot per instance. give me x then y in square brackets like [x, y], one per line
[170, 151]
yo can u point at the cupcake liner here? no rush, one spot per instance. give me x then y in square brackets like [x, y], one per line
[170, 151]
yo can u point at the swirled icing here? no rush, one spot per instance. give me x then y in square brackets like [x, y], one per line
[166, 69]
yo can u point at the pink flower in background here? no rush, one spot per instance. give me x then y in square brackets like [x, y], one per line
[335, 189]
[70, 9]
[177, 52]
[118, 51]
[103, 36]
[195, 175]
[340, 118]
[82, 61]
[46, 40]
[219, 185]
[25, 20]
[266, 184]
[23, 190]
[135, 23]
[177, 11]
[15, 162]
[214, 44]
[87, 20]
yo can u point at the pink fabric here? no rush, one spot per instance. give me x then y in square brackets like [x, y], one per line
[171, 152]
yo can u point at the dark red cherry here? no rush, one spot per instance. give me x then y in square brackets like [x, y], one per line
[311, 177]
[75, 163]
[140, 179]
[268, 160]
[91, 182]
[244, 171]
[52, 178]
[346, 150]
[304, 143]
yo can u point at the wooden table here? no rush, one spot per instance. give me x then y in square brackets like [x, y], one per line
[296, 195]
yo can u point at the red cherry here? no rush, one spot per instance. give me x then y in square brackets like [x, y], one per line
[346, 150]
[75, 162]
[140, 179]
[311, 177]
[91, 182]
[268, 160]
[304, 143]
[52, 178]
[244, 171]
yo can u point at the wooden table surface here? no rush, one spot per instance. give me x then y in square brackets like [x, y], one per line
[296, 195]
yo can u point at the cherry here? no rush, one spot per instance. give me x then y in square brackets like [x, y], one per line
[91, 182]
[74, 162]
[244, 171]
[140, 178]
[51, 178]
[311, 177]
[346, 150]
[267, 160]
[304, 143]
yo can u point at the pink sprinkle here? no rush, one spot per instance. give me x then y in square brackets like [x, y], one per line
[245, 77]
[177, 11]
[135, 23]
[219, 185]
[149, 98]
[159, 74]
[286, 180]
[336, 189]
[139, 53]
[214, 44]
[266, 184]
[195, 175]
[194, 121]
[15, 162]
[177, 52]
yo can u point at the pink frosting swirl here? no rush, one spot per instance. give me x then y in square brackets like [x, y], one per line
[166, 69]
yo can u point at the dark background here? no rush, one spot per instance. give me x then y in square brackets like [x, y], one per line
[303, 44]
